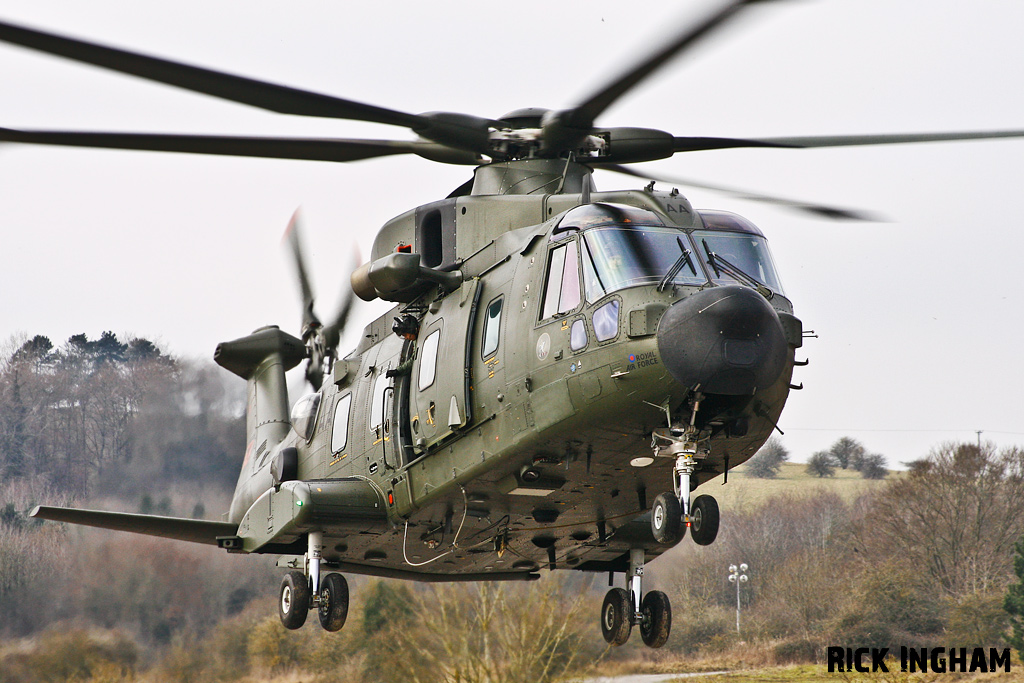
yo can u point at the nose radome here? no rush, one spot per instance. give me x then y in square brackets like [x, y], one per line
[727, 340]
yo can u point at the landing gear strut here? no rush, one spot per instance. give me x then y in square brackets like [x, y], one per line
[622, 609]
[673, 512]
[303, 591]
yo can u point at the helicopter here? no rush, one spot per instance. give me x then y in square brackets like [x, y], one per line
[562, 370]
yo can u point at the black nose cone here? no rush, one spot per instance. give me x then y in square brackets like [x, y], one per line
[728, 340]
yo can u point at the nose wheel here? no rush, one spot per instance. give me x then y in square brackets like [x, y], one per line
[674, 512]
[704, 520]
[623, 608]
[667, 519]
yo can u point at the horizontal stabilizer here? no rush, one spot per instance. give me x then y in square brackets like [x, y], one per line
[192, 530]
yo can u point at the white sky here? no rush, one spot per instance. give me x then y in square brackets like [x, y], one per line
[919, 318]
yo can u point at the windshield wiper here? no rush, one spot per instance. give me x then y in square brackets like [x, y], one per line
[735, 271]
[683, 260]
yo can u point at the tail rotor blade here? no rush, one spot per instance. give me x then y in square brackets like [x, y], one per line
[334, 330]
[310, 321]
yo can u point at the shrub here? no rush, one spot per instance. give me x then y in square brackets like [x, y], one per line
[766, 462]
[72, 655]
[821, 464]
[872, 466]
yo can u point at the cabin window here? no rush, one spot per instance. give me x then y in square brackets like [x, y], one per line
[578, 335]
[304, 415]
[606, 321]
[428, 359]
[339, 433]
[380, 388]
[562, 293]
[492, 328]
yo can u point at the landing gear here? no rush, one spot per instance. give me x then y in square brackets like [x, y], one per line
[704, 520]
[622, 609]
[333, 603]
[293, 605]
[303, 591]
[616, 616]
[656, 619]
[673, 512]
[666, 519]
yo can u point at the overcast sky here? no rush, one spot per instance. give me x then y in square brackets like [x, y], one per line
[919, 318]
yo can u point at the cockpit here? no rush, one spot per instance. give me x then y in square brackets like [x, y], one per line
[625, 246]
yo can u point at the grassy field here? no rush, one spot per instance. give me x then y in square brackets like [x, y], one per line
[744, 491]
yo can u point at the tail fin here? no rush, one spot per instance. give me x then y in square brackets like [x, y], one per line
[261, 359]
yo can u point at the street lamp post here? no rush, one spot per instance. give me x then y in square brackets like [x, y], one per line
[737, 577]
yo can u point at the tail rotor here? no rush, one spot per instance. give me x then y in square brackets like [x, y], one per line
[321, 341]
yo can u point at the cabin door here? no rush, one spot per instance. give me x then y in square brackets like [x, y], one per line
[440, 390]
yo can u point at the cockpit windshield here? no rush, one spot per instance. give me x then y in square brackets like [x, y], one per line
[625, 246]
[737, 257]
[626, 256]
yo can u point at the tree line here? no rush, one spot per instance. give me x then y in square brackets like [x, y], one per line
[112, 413]
[845, 453]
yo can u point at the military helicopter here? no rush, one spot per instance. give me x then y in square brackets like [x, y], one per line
[563, 368]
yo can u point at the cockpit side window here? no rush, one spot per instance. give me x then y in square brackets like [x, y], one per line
[562, 291]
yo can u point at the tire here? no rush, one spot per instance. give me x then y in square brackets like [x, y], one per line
[666, 519]
[704, 520]
[616, 611]
[333, 609]
[656, 621]
[293, 603]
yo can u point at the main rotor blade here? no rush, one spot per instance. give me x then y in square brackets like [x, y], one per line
[312, 149]
[818, 210]
[696, 144]
[279, 98]
[583, 115]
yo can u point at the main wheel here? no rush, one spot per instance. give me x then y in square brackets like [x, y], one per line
[616, 611]
[704, 520]
[333, 608]
[666, 519]
[294, 603]
[656, 620]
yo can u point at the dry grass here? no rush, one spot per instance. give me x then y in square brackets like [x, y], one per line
[744, 492]
[812, 673]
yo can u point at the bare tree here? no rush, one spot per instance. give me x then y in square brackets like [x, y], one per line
[957, 517]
